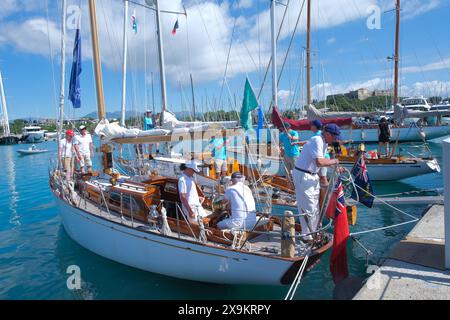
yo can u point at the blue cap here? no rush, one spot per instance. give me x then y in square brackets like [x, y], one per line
[316, 123]
[333, 129]
[236, 175]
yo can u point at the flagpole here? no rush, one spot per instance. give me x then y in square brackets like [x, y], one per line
[161, 62]
[274, 56]
[124, 67]
[62, 76]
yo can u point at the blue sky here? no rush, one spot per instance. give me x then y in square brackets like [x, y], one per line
[347, 55]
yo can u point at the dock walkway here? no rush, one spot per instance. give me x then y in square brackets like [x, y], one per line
[415, 268]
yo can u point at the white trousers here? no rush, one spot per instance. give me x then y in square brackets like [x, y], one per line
[238, 223]
[307, 192]
[198, 210]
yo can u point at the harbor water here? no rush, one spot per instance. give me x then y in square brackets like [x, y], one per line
[35, 251]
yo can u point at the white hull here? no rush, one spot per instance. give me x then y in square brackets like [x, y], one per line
[371, 135]
[382, 172]
[387, 172]
[167, 255]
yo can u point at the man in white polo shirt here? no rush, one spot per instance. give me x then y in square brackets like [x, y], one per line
[242, 205]
[306, 178]
[86, 148]
[190, 201]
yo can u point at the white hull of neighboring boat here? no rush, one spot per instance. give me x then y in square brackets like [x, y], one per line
[406, 134]
[167, 255]
[382, 172]
[33, 137]
[398, 171]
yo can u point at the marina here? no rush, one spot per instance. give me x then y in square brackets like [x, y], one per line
[306, 196]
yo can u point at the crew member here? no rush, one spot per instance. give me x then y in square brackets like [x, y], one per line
[68, 150]
[384, 136]
[187, 189]
[219, 154]
[306, 179]
[149, 124]
[291, 151]
[86, 148]
[239, 199]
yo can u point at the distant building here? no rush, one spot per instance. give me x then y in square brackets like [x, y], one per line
[360, 94]
[382, 93]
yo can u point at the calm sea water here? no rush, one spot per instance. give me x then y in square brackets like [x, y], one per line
[35, 251]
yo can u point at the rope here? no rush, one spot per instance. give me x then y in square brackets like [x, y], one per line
[298, 277]
[414, 219]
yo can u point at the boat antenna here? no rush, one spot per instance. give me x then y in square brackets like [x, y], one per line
[308, 54]
[397, 49]
[124, 66]
[62, 76]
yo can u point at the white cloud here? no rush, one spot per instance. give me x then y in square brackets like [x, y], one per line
[284, 96]
[331, 41]
[244, 4]
[437, 65]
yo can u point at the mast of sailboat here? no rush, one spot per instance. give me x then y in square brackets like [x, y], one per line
[97, 61]
[162, 70]
[62, 76]
[6, 130]
[124, 67]
[274, 55]
[397, 50]
[308, 54]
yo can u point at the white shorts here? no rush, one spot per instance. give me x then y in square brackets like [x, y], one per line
[221, 165]
[86, 160]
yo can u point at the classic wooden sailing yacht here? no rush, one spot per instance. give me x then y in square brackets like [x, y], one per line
[138, 222]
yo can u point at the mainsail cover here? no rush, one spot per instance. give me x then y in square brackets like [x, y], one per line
[299, 125]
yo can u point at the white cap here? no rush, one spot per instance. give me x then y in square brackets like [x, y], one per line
[193, 165]
[82, 127]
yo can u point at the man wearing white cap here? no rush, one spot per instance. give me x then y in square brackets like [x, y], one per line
[240, 199]
[187, 188]
[86, 148]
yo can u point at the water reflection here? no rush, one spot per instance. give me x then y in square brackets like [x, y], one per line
[11, 182]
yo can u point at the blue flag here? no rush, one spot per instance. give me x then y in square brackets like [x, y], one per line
[74, 87]
[260, 123]
[365, 191]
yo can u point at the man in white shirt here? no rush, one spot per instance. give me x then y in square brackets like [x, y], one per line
[86, 148]
[306, 178]
[240, 200]
[68, 150]
[187, 188]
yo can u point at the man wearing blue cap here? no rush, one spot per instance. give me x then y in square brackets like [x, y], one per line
[306, 178]
[291, 151]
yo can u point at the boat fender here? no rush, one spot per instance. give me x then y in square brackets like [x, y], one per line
[288, 235]
[422, 134]
[363, 135]
[165, 229]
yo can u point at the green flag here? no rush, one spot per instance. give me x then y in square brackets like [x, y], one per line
[248, 104]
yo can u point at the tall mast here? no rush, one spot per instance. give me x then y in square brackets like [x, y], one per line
[124, 67]
[308, 55]
[274, 55]
[62, 75]
[97, 61]
[397, 49]
[161, 61]
[6, 130]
